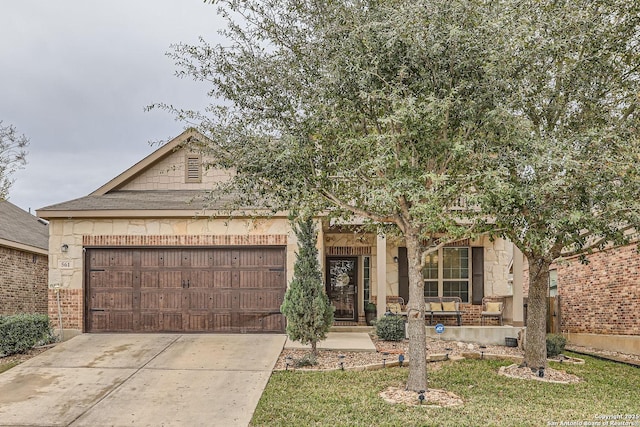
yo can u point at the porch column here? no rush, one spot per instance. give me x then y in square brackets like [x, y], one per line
[518, 279]
[381, 276]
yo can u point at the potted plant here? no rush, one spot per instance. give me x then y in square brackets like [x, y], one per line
[370, 312]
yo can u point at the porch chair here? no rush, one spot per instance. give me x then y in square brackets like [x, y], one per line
[492, 307]
[395, 304]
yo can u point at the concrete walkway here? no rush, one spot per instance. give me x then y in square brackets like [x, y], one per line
[345, 341]
[141, 380]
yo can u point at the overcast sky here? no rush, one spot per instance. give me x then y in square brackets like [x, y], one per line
[75, 76]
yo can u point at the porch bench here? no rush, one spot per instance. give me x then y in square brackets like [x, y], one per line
[443, 306]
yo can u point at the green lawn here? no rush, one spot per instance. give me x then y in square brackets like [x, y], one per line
[351, 398]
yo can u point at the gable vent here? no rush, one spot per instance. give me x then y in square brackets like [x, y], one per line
[193, 168]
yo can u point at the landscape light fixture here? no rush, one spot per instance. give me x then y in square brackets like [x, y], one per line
[482, 349]
[341, 359]
[384, 359]
[541, 372]
[288, 362]
[400, 359]
[421, 396]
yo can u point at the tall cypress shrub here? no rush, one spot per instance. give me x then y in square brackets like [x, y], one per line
[306, 305]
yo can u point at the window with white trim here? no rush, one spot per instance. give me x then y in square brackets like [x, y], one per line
[446, 273]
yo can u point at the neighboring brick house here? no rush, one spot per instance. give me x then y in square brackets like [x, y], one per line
[23, 261]
[600, 300]
[145, 252]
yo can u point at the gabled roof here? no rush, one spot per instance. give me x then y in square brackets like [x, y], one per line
[21, 230]
[167, 149]
[112, 201]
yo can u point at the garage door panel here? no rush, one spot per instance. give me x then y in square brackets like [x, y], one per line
[192, 289]
[149, 279]
[120, 279]
[171, 322]
[171, 258]
[200, 322]
[260, 300]
[112, 300]
[223, 300]
[221, 258]
[260, 322]
[260, 279]
[200, 300]
[222, 322]
[261, 258]
[150, 322]
[201, 279]
[121, 321]
[200, 258]
[170, 279]
[100, 321]
[121, 258]
[149, 300]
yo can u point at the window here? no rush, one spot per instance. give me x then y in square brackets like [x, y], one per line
[193, 168]
[449, 278]
[430, 275]
[366, 274]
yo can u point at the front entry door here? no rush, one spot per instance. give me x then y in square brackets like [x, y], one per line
[342, 287]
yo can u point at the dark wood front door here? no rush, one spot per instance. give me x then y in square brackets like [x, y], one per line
[185, 290]
[342, 287]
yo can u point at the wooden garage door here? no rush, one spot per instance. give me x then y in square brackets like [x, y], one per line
[185, 290]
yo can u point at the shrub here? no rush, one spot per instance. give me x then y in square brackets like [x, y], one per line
[306, 360]
[390, 328]
[21, 332]
[555, 344]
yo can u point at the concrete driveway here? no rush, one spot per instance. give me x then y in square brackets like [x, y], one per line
[141, 380]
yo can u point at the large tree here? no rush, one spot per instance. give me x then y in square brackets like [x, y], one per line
[367, 109]
[568, 182]
[12, 156]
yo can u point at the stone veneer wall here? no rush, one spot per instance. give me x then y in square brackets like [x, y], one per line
[23, 282]
[602, 297]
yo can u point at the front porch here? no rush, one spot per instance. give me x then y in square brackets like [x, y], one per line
[362, 268]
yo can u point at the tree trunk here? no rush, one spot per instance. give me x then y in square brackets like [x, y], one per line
[314, 348]
[535, 352]
[415, 313]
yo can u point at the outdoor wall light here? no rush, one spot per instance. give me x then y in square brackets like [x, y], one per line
[64, 247]
[421, 396]
[395, 259]
[341, 359]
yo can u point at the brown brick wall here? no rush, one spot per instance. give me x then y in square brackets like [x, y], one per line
[602, 297]
[23, 282]
[71, 308]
